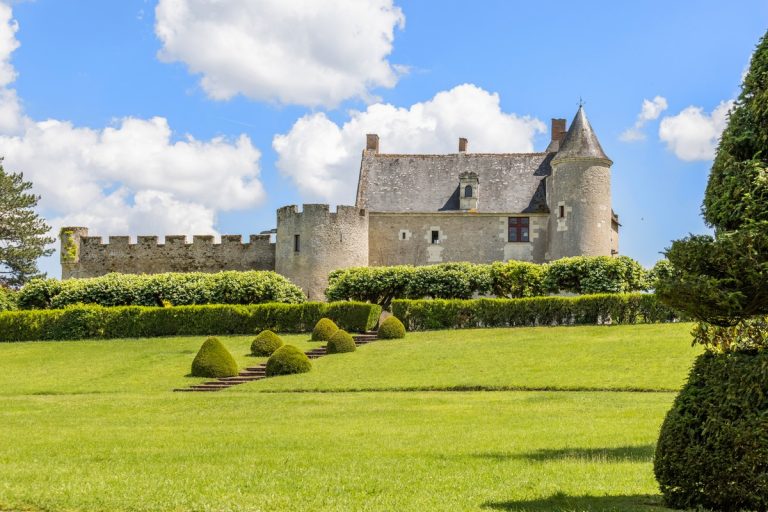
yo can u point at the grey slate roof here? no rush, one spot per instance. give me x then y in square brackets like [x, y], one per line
[508, 182]
[580, 141]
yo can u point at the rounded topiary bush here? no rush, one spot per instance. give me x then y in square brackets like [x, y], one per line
[713, 446]
[214, 360]
[340, 342]
[265, 343]
[324, 329]
[287, 360]
[391, 328]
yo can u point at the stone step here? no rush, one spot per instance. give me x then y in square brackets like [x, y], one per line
[256, 368]
[252, 373]
[240, 380]
[212, 384]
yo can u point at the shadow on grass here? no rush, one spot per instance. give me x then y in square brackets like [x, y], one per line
[563, 503]
[642, 453]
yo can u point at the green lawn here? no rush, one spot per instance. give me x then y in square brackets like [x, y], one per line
[93, 425]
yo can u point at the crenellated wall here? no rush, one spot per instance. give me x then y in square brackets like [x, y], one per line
[89, 256]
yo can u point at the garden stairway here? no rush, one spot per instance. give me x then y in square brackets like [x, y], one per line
[259, 372]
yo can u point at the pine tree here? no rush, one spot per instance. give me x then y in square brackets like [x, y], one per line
[723, 279]
[23, 234]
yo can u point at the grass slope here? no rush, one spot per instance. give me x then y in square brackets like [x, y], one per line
[627, 357]
[332, 452]
[648, 357]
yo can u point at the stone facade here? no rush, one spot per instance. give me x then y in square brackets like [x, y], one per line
[410, 209]
[407, 238]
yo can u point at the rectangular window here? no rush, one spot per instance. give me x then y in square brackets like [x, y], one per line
[562, 211]
[435, 237]
[518, 229]
[296, 243]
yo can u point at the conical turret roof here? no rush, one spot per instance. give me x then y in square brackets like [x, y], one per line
[580, 141]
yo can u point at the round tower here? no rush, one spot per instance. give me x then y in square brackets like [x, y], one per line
[313, 242]
[580, 195]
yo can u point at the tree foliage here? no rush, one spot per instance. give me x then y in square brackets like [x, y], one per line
[23, 234]
[723, 279]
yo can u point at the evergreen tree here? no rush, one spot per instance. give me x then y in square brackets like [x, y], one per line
[23, 234]
[723, 279]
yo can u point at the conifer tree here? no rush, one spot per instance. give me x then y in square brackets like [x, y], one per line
[23, 234]
[723, 279]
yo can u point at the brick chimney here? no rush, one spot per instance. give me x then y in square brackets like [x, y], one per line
[558, 130]
[463, 143]
[372, 143]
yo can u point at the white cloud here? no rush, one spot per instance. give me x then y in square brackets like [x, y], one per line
[302, 52]
[693, 134]
[323, 158]
[650, 111]
[133, 177]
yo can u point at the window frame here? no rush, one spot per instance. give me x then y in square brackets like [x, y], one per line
[521, 227]
[470, 189]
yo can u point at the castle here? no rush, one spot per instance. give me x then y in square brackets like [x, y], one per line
[410, 209]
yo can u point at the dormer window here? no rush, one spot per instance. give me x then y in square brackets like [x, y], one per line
[468, 190]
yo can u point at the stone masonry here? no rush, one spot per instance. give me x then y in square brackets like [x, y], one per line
[410, 209]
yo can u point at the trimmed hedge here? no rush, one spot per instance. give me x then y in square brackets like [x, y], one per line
[174, 289]
[713, 446]
[341, 342]
[265, 343]
[419, 315]
[79, 322]
[324, 330]
[511, 279]
[391, 328]
[288, 360]
[214, 360]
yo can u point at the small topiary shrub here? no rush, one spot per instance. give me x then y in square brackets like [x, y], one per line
[391, 328]
[265, 343]
[713, 446]
[287, 360]
[340, 342]
[324, 330]
[214, 360]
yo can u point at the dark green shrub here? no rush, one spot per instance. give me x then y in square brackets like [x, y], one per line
[287, 360]
[515, 279]
[340, 342]
[78, 322]
[713, 447]
[324, 330]
[178, 289]
[391, 328]
[614, 308]
[214, 360]
[265, 343]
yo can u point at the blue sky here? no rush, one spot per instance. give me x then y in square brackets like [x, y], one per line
[129, 116]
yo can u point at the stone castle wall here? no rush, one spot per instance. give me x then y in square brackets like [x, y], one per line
[326, 241]
[406, 238]
[89, 256]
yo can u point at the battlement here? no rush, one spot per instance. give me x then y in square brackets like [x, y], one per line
[319, 211]
[117, 242]
[89, 256]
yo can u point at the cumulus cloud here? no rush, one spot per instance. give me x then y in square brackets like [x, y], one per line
[301, 52]
[651, 110]
[132, 177]
[323, 158]
[693, 134]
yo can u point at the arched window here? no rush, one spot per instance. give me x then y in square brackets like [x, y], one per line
[468, 191]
